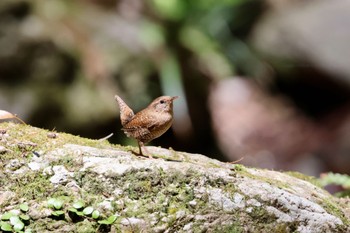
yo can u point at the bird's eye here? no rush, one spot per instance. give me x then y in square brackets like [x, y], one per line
[162, 101]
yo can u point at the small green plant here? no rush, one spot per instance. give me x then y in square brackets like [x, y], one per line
[15, 222]
[56, 204]
[5, 226]
[18, 221]
[341, 180]
[24, 207]
[78, 211]
[95, 214]
[109, 221]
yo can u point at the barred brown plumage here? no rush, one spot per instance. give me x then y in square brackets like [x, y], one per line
[149, 123]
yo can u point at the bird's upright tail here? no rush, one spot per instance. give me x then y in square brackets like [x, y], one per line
[126, 113]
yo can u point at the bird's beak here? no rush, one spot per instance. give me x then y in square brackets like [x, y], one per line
[174, 97]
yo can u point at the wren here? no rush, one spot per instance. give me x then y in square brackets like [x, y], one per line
[149, 123]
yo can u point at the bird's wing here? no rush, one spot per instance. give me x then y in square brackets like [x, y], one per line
[137, 132]
[141, 124]
[143, 119]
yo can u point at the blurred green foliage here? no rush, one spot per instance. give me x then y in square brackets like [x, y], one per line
[80, 53]
[62, 61]
[341, 180]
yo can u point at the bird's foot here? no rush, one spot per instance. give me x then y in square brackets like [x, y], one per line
[140, 154]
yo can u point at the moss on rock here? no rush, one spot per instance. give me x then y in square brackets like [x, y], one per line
[176, 191]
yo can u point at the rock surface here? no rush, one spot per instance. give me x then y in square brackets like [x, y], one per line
[174, 192]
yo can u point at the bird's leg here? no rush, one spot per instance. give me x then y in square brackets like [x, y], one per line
[144, 148]
[140, 144]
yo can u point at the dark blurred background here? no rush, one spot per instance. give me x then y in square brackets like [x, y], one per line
[267, 80]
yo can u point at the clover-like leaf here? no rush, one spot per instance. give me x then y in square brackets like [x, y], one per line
[109, 220]
[80, 213]
[74, 210]
[78, 205]
[24, 207]
[50, 202]
[14, 220]
[55, 203]
[7, 216]
[95, 214]
[58, 213]
[5, 226]
[88, 210]
[24, 217]
[18, 226]
[58, 204]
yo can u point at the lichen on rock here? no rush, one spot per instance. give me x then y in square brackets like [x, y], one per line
[174, 192]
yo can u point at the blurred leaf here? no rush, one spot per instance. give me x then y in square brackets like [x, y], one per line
[152, 35]
[58, 213]
[78, 205]
[15, 220]
[5, 226]
[335, 178]
[207, 50]
[171, 9]
[50, 202]
[18, 226]
[7, 216]
[88, 210]
[208, 4]
[24, 217]
[55, 203]
[80, 213]
[95, 214]
[170, 75]
[74, 210]
[24, 207]
[109, 220]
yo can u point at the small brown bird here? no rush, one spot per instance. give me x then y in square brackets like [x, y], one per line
[149, 123]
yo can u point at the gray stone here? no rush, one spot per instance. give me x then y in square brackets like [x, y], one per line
[34, 166]
[61, 175]
[174, 192]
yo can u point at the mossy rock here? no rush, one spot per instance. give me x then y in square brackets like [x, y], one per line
[174, 191]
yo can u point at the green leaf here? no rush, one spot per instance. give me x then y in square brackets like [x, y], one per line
[95, 214]
[18, 226]
[58, 213]
[335, 178]
[74, 210]
[58, 204]
[7, 216]
[15, 220]
[24, 217]
[109, 220]
[24, 207]
[50, 202]
[5, 226]
[55, 203]
[171, 9]
[78, 205]
[88, 210]
[80, 213]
